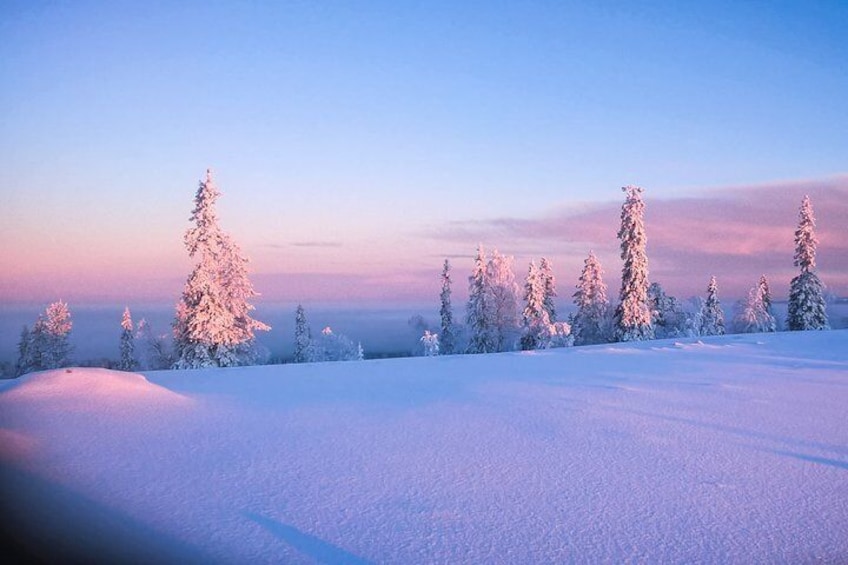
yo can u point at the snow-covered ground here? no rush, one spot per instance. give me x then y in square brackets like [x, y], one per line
[725, 450]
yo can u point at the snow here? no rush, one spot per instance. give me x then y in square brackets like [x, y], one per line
[729, 449]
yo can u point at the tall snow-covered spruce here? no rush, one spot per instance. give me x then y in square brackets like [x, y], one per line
[591, 322]
[447, 340]
[633, 314]
[537, 322]
[765, 297]
[546, 271]
[127, 348]
[807, 308]
[477, 311]
[213, 325]
[712, 316]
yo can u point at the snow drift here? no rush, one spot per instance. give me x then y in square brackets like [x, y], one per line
[730, 449]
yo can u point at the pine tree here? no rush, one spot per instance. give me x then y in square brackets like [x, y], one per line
[127, 348]
[448, 336]
[591, 323]
[807, 306]
[537, 323]
[478, 315]
[712, 316]
[213, 325]
[302, 336]
[633, 315]
[546, 271]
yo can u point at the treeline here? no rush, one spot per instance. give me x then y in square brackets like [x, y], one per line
[214, 327]
[495, 320]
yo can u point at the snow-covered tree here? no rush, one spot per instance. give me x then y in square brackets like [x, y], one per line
[154, 350]
[336, 347]
[430, 343]
[807, 306]
[503, 298]
[492, 310]
[561, 335]
[47, 345]
[448, 336]
[667, 313]
[712, 316]
[546, 271]
[753, 314]
[127, 347]
[478, 315]
[537, 327]
[57, 327]
[26, 361]
[632, 320]
[591, 321]
[302, 336]
[765, 296]
[213, 325]
[747, 313]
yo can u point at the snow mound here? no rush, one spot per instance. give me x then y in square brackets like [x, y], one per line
[87, 388]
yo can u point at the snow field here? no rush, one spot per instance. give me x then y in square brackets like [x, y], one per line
[732, 449]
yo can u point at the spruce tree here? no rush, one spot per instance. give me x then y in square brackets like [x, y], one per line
[57, 327]
[769, 323]
[213, 325]
[477, 316]
[447, 342]
[302, 336]
[546, 271]
[712, 316]
[667, 315]
[127, 347]
[536, 321]
[25, 361]
[591, 323]
[633, 314]
[748, 311]
[807, 308]
[47, 345]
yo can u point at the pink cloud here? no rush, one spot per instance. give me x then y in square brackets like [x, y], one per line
[736, 233]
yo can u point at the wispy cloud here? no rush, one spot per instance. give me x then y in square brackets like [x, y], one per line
[736, 233]
[316, 243]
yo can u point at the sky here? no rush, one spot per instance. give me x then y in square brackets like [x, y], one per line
[357, 145]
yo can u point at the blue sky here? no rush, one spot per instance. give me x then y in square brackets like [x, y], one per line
[344, 135]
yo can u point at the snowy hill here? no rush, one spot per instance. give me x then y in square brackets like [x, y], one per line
[726, 450]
